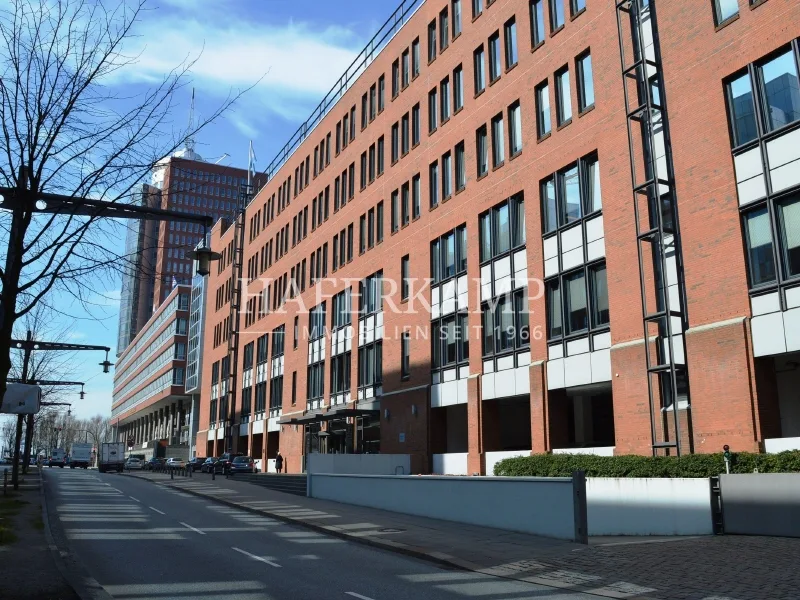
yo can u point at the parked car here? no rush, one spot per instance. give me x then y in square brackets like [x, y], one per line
[223, 464]
[154, 464]
[134, 463]
[208, 465]
[56, 462]
[175, 463]
[242, 464]
[195, 463]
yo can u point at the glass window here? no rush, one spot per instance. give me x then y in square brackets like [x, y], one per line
[741, 110]
[512, 53]
[448, 255]
[487, 325]
[724, 10]
[415, 126]
[444, 30]
[549, 206]
[445, 98]
[553, 298]
[395, 211]
[781, 90]
[433, 181]
[461, 173]
[522, 325]
[480, 73]
[432, 111]
[498, 141]
[575, 309]
[482, 151]
[404, 203]
[404, 134]
[406, 69]
[570, 192]
[543, 110]
[405, 362]
[556, 14]
[436, 259]
[415, 196]
[563, 99]
[504, 322]
[518, 238]
[477, 8]
[486, 236]
[537, 22]
[379, 218]
[599, 296]
[405, 275]
[577, 6]
[502, 231]
[436, 346]
[447, 172]
[432, 40]
[415, 57]
[461, 248]
[789, 216]
[494, 56]
[759, 247]
[514, 129]
[594, 198]
[450, 354]
[458, 88]
[585, 82]
[456, 18]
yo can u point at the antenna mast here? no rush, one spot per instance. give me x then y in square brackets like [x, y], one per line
[190, 137]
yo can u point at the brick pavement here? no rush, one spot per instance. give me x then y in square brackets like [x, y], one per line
[696, 568]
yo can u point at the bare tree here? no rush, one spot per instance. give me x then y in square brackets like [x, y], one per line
[65, 131]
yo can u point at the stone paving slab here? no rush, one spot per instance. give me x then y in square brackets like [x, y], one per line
[693, 568]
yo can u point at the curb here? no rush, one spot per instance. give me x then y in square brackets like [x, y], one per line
[74, 573]
[442, 560]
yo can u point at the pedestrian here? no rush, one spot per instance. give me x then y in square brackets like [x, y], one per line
[278, 462]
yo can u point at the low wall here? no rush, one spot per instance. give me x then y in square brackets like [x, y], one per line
[453, 463]
[594, 451]
[761, 503]
[648, 506]
[492, 458]
[359, 464]
[546, 506]
[775, 445]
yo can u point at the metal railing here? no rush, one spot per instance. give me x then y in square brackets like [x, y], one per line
[392, 25]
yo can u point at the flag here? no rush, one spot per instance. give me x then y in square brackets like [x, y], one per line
[251, 165]
[174, 282]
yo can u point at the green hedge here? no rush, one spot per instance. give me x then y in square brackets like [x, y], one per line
[692, 465]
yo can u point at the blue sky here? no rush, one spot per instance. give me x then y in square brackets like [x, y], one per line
[294, 49]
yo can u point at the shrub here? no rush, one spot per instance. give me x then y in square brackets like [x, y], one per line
[691, 465]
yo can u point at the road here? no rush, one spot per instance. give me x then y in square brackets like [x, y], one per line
[143, 541]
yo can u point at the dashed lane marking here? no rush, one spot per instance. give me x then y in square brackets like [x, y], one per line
[258, 558]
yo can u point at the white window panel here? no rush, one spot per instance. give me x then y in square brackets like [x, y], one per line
[601, 365]
[436, 377]
[572, 258]
[578, 346]
[379, 319]
[571, 238]
[551, 247]
[505, 362]
[369, 336]
[448, 375]
[520, 260]
[551, 266]
[768, 334]
[522, 381]
[577, 370]
[488, 366]
[793, 297]
[785, 176]
[487, 386]
[555, 374]
[502, 286]
[782, 150]
[448, 306]
[463, 285]
[463, 373]
[596, 249]
[555, 351]
[602, 341]
[751, 190]
[502, 268]
[791, 322]
[524, 359]
[594, 229]
[748, 165]
[449, 290]
[521, 278]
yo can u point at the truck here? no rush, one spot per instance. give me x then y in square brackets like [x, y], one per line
[57, 458]
[80, 456]
[112, 457]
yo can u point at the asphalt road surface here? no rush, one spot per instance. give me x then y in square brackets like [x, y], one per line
[143, 541]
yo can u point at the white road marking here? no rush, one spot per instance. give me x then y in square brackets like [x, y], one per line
[259, 558]
[134, 499]
[195, 529]
[156, 510]
[354, 595]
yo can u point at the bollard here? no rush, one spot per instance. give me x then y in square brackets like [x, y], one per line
[190, 473]
[213, 472]
[172, 474]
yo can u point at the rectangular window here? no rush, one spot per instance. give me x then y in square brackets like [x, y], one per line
[380, 156]
[444, 92]
[379, 224]
[575, 307]
[556, 15]
[296, 331]
[432, 41]
[563, 97]
[724, 10]
[373, 96]
[477, 8]
[444, 30]
[537, 22]
[758, 237]
[780, 91]
[364, 120]
[498, 141]
[598, 289]
[404, 273]
[569, 196]
[543, 123]
[405, 69]
[510, 34]
[404, 200]
[395, 142]
[594, 197]
[479, 68]
[514, 129]
[502, 228]
[741, 110]
[461, 170]
[395, 211]
[350, 242]
[415, 196]
[446, 176]
[352, 128]
[363, 170]
[395, 78]
[482, 151]
[788, 212]
[583, 65]
[294, 387]
[456, 18]
[415, 57]
[371, 228]
[362, 234]
[433, 183]
[576, 7]
[553, 307]
[432, 101]
[494, 57]
[404, 134]
[415, 124]
[405, 360]
[458, 89]
[372, 163]
[381, 93]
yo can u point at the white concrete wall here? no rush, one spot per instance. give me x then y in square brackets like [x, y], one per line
[453, 463]
[492, 458]
[536, 505]
[596, 451]
[640, 506]
[776, 445]
[359, 464]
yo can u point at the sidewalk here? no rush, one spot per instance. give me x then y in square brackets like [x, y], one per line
[697, 568]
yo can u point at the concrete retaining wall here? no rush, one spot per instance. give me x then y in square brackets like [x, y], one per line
[453, 463]
[761, 503]
[359, 464]
[552, 507]
[644, 506]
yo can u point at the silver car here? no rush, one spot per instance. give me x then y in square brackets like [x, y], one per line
[175, 463]
[133, 463]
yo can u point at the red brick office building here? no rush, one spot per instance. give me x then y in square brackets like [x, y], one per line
[503, 235]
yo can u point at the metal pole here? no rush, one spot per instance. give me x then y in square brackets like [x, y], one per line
[25, 363]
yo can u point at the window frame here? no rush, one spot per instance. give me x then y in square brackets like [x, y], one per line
[495, 57]
[544, 125]
[580, 80]
[510, 43]
[563, 101]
